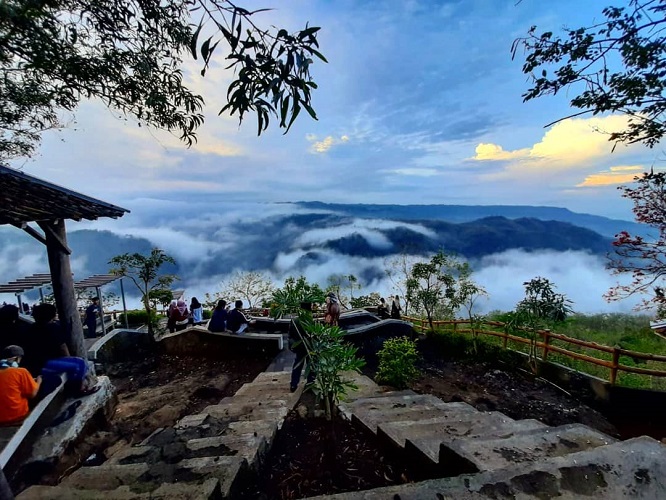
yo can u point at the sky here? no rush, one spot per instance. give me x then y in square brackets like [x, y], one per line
[420, 103]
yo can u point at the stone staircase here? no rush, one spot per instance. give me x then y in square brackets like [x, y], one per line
[490, 455]
[477, 454]
[201, 457]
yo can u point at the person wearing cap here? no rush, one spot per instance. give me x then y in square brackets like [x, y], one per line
[332, 310]
[16, 386]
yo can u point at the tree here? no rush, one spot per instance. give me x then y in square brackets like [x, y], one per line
[289, 298]
[130, 55]
[433, 286]
[644, 259]
[540, 307]
[253, 287]
[398, 268]
[617, 65]
[160, 296]
[469, 293]
[144, 273]
[340, 283]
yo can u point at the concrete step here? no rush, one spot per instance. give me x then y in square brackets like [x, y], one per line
[233, 408]
[105, 477]
[283, 377]
[426, 448]
[371, 417]
[276, 412]
[624, 470]
[263, 428]
[209, 489]
[246, 446]
[388, 401]
[266, 392]
[531, 446]
[134, 455]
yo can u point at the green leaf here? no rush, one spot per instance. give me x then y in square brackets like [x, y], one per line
[205, 48]
[193, 41]
[310, 111]
[294, 114]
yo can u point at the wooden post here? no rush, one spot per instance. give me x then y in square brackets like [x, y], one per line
[63, 285]
[505, 339]
[546, 343]
[101, 312]
[616, 360]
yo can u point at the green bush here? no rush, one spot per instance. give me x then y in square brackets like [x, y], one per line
[136, 318]
[207, 314]
[397, 362]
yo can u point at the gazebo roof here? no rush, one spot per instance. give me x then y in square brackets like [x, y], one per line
[25, 198]
[24, 284]
[96, 280]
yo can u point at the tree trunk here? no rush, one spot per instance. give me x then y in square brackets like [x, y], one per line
[63, 286]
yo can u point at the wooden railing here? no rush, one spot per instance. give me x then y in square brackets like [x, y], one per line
[544, 343]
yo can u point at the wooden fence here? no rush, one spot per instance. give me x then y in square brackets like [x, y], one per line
[544, 343]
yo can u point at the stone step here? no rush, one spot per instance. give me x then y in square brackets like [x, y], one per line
[534, 445]
[627, 469]
[370, 417]
[148, 477]
[387, 400]
[105, 477]
[246, 446]
[276, 412]
[427, 449]
[366, 387]
[209, 489]
[265, 392]
[283, 377]
[134, 455]
[233, 408]
[262, 428]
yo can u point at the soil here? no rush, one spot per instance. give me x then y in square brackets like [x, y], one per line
[304, 461]
[152, 392]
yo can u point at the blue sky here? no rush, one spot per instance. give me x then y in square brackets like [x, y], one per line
[420, 103]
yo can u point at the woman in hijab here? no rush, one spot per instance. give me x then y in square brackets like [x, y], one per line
[170, 323]
[196, 312]
[180, 315]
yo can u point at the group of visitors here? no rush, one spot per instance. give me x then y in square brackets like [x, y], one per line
[32, 358]
[179, 316]
[224, 319]
[395, 310]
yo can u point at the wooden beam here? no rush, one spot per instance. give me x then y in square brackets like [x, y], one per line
[63, 287]
[32, 232]
[55, 238]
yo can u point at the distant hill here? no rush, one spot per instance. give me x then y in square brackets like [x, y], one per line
[468, 213]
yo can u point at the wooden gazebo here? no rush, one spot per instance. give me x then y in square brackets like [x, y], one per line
[25, 199]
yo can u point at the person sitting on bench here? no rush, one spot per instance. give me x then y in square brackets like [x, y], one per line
[237, 322]
[16, 387]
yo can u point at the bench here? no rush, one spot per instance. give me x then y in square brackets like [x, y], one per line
[12, 438]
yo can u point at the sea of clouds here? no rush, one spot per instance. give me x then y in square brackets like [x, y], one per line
[212, 240]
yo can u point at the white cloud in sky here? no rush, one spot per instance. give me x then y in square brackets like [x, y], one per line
[613, 176]
[324, 145]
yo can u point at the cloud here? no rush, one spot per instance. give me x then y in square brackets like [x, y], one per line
[612, 176]
[571, 144]
[417, 172]
[325, 144]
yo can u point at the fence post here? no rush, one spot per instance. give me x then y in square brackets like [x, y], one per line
[546, 343]
[455, 326]
[616, 360]
[505, 339]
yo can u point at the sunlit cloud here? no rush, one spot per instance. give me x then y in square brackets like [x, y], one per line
[570, 144]
[613, 176]
[326, 143]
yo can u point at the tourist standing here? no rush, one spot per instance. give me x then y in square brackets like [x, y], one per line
[196, 312]
[92, 311]
[382, 309]
[395, 308]
[332, 315]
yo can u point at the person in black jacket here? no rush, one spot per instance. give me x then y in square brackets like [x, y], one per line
[237, 322]
[298, 337]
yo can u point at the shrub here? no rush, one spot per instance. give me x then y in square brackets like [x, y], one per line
[135, 318]
[397, 362]
[207, 314]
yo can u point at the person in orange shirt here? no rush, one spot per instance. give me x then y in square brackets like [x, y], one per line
[16, 386]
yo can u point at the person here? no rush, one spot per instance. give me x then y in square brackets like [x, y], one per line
[92, 312]
[332, 310]
[382, 309]
[395, 307]
[179, 317]
[17, 387]
[170, 323]
[196, 312]
[218, 322]
[45, 339]
[237, 322]
[12, 330]
[298, 337]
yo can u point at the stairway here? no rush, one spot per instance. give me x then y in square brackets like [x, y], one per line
[201, 457]
[490, 455]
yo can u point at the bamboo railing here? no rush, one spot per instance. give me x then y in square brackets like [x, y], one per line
[544, 343]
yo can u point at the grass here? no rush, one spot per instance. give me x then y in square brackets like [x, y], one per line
[630, 332]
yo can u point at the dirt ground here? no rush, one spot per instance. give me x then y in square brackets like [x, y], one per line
[153, 392]
[158, 390]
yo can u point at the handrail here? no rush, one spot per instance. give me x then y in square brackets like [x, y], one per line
[546, 347]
